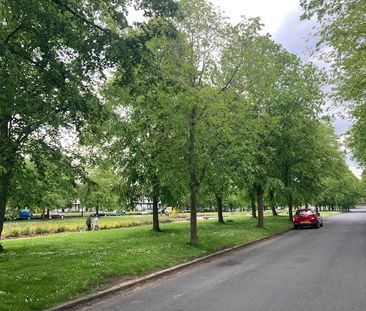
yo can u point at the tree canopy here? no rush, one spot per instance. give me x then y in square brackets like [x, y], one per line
[342, 31]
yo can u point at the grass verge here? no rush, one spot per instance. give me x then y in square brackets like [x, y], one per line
[37, 273]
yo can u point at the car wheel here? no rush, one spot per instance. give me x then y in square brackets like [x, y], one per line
[29, 218]
[296, 227]
[317, 225]
[321, 224]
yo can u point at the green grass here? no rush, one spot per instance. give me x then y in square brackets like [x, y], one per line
[40, 272]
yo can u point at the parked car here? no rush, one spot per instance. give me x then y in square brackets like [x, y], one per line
[147, 212]
[55, 215]
[25, 214]
[122, 212]
[100, 214]
[111, 213]
[307, 218]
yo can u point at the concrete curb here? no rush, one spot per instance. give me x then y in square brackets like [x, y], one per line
[153, 276]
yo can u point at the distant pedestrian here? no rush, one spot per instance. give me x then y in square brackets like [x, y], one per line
[96, 223]
[88, 223]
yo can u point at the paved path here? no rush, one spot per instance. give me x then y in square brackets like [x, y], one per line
[303, 270]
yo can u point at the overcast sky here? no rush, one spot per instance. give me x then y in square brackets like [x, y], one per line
[282, 20]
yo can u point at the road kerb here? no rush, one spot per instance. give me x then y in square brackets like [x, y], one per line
[153, 276]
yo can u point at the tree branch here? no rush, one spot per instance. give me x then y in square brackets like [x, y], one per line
[76, 14]
[36, 64]
[232, 77]
[12, 34]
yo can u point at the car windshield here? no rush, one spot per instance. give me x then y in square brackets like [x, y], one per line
[304, 212]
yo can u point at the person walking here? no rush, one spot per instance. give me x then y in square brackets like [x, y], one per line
[88, 223]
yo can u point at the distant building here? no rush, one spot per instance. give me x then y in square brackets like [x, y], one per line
[143, 205]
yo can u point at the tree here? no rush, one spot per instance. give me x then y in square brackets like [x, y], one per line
[58, 50]
[274, 188]
[100, 191]
[356, 139]
[340, 192]
[202, 25]
[343, 29]
[259, 57]
[141, 141]
[44, 185]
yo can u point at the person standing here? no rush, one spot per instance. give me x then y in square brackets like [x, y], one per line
[88, 223]
[96, 223]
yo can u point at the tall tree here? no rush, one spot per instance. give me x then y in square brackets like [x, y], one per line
[141, 142]
[203, 27]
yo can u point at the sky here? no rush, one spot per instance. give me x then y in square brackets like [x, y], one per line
[281, 19]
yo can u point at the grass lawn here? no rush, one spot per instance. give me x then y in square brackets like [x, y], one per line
[43, 271]
[40, 272]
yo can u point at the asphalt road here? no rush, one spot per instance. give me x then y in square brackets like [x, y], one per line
[302, 270]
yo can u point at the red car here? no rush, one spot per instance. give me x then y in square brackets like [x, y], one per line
[307, 218]
[55, 215]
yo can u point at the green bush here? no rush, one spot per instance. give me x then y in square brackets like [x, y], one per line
[13, 233]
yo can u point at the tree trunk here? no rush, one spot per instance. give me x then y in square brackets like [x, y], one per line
[219, 208]
[272, 203]
[193, 184]
[4, 192]
[193, 222]
[7, 155]
[260, 203]
[156, 226]
[252, 203]
[290, 215]
[156, 196]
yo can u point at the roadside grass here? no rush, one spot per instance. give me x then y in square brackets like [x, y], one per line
[40, 272]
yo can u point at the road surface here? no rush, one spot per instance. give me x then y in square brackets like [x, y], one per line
[302, 270]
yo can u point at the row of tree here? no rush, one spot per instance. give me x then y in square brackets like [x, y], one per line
[194, 108]
[215, 108]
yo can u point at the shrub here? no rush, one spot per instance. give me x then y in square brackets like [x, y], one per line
[25, 231]
[40, 230]
[61, 229]
[13, 233]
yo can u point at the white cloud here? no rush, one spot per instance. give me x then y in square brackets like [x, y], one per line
[271, 12]
[356, 170]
